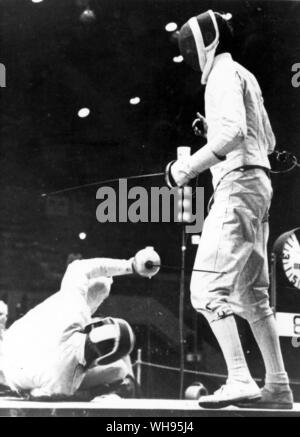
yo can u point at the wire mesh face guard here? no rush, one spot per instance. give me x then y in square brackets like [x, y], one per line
[198, 40]
[108, 340]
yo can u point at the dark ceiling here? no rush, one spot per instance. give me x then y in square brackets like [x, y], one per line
[56, 65]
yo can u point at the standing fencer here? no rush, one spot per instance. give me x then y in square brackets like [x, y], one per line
[58, 348]
[235, 232]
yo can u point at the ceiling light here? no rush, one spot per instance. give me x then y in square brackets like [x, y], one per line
[135, 101]
[171, 27]
[227, 16]
[88, 16]
[178, 59]
[84, 112]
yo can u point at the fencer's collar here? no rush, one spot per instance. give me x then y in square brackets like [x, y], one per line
[218, 60]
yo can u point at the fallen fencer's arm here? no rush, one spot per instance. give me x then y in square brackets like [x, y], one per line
[92, 278]
[145, 263]
[102, 267]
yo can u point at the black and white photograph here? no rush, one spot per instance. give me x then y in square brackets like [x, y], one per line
[150, 211]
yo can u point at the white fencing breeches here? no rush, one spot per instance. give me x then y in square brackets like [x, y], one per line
[234, 241]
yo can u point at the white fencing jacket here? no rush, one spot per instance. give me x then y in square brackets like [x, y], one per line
[238, 124]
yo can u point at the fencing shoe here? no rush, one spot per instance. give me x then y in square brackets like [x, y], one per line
[230, 394]
[272, 400]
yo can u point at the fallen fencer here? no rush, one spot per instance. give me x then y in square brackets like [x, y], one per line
[59, 350]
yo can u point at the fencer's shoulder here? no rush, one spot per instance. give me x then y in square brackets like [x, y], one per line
[241, 68]
[223, 74]
[74, 264]
[76, 269]
[250, 83]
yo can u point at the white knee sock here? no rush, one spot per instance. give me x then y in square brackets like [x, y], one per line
[266, 335]
[228, 338]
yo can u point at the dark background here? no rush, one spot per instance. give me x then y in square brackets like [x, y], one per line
[56, 65]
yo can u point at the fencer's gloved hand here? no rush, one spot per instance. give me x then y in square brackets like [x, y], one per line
[177, 173]
[200, 126]
[146, 262]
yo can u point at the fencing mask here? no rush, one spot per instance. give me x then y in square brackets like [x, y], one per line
[198, 40]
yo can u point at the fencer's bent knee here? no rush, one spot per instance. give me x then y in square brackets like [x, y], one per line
[119, 370]
[107, 374]
[213, 306]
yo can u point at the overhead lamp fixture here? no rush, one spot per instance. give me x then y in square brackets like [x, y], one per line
[178, 59]
[171, 27]
[84, 112]
[88, 16]
[227, 16]
[134, 100]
